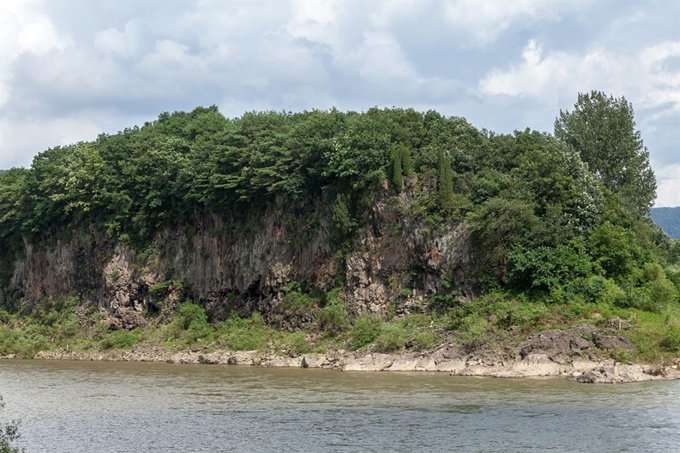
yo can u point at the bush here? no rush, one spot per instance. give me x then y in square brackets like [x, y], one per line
[25, 345]
[671, 342]
[663, 292]
[333, 318]
[546, 267]
[366, 329]
[244, 334]
[296, 343]
[655, 296]
[474, 328]
[392, 337]
[191, 322]
[121, 339]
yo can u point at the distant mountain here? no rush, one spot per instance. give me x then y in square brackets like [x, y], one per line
[668, 219]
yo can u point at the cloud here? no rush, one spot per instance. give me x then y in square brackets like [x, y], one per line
[648, 77]
[668, 190]
[503, 65]
[642, 75]
[17, 151]
[23, 28]
[482, 22]
[124, 43]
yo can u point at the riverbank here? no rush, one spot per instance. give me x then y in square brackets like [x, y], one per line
[582, 353]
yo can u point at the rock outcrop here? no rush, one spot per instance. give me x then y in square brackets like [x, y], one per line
[242, 265]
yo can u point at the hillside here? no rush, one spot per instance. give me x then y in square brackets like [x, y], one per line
[668, 219]
[388, 229]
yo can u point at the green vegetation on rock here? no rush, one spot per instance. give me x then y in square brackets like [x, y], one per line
[558, 231]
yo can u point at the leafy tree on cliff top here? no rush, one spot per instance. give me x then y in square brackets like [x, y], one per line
[602, 130]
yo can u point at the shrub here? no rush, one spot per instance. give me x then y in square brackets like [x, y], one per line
[191, 322]
[474, 328]
[121, 339]
[662, 291]
[392, 337]
[333, 318]
[365, 330]
[671, 341]
[546, 267]
[244, 334]
[655, 296]
[25, 345]
[296, 342]
[595, 288]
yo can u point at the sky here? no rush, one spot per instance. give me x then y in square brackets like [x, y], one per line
[72, 69]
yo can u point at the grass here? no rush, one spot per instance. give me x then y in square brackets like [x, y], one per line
[497, 315]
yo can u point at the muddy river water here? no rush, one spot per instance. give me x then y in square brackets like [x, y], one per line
[93, 407]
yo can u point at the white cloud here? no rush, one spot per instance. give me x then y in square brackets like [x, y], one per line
[315, 20]
[135, 59]
[665, 83]
[484, 21]
[120, 43]
[379, 57]
[668, 190]
[640, 76]
[549, 78]
[59, 131]
[23, 28]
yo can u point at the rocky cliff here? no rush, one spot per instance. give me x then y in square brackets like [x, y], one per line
[246, 264]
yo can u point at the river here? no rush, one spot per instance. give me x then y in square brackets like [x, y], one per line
[93, 407]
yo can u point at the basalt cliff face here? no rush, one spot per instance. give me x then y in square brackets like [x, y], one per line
[391, 261]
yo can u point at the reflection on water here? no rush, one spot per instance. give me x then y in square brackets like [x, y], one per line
[137, 407]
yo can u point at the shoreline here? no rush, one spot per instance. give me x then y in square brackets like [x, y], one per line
[445, 359]
[584, 353]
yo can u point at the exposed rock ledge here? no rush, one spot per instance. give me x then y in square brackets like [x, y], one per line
[445, 359]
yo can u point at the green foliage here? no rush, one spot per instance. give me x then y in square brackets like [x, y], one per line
[614, 250]
[392, 337]
[671, 342]
[333, 319]
[396, 172]
[25, 344]
[406, 159]
[547, 267]
[296, 343]
[602, 130]
[121, 339]
[190, 323]
[163, 287]
[445, 181]
[342, 216]
[365, 330]
[244, 334]
[498, 226]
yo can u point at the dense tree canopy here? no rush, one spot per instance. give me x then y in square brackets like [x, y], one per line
[602, 130]
[543, 210]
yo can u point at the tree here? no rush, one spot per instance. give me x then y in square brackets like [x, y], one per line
[445, 176]
[8, 434]
[602, 130]
[397, 179]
